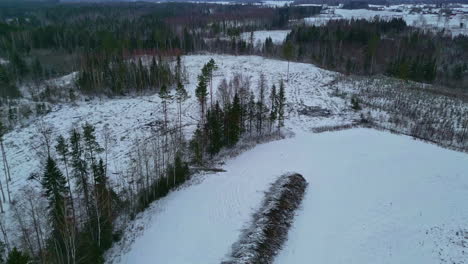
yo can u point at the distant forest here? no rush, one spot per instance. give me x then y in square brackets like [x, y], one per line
[385, 47]
[42, 40]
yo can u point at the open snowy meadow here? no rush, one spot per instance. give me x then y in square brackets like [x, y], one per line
[373, 196]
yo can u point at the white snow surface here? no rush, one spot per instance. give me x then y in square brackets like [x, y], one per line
[383, 195]
[276, 3]
[427, 18]
[277, 36]
[126, 118]
[373, 197]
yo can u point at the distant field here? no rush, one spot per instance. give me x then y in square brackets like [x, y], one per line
[426, 18]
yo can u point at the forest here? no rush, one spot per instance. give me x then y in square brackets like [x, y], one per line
[70, 211]
[384, 47]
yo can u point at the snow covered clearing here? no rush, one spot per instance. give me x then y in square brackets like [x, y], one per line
[278, 3]
[426, 18]
[277, 36]
[374, 196]
[126, 119]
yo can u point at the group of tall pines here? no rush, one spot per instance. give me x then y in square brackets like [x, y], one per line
[235, 111]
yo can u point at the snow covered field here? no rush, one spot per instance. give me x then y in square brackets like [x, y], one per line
[277, 36]
[428, 18]
[386, 196]
[373, 197]
[127, 118]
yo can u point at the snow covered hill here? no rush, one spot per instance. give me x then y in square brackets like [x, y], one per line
[373, 197]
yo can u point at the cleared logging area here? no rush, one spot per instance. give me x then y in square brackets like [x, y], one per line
[264, 237]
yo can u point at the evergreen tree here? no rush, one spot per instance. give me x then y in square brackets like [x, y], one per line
[251, 109]
[103, 196]
[201, 92]
[178, 70]
[17, 257]
[274, 106]
[62, 149]
[91, 146]
[3, 256]
[180, 170]
[54, 185]
[196, 146]
[281, 105]
[215, 129]
[19, 66]
[210, 68]
[181, 96]
[7, 88]
[288, 53]
[80, 168]
[261, 106]
[37, 70]
[234, 119]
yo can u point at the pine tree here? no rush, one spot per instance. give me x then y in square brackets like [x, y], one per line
[178, 70]
[63, 151]
[201, 93]
[210, 68]
[181, 169]
[181, 96]
[54, 185]
[6, 167]
[281, 105]
[261, 106]
[288, 53]
[80, 168]
[91, 145]
[214, 129]
[274, 106]
[251, 111]
[164, 95]
[196, 146]
[17, 257]
[104, 206]
[234, 119]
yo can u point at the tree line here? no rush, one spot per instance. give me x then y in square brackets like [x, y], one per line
[383, 47]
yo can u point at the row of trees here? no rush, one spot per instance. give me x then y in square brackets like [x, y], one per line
[44, 41]
[114, 75]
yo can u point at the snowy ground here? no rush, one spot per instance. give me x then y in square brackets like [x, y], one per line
[127, 118]
[427, 18]
[277, 3]
[373, 197]
[277, 36]
[386, 196]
